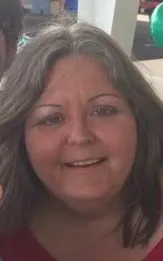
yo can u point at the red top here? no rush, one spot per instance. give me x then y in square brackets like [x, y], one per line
[24, 247]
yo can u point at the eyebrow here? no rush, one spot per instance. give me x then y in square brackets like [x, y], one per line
[48, 105]
[104, 95]
[89, 100]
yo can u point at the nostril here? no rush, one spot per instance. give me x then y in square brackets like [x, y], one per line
[81, 137]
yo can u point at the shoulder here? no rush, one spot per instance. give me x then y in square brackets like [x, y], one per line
[13, 246]
[22, 246]
[155, 248]
[156, 253]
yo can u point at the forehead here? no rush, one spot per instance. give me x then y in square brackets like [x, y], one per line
[81, 75]
[82, 65]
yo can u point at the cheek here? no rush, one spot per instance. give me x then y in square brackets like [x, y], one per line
[124, 137]
[43, 148]
[120, 139]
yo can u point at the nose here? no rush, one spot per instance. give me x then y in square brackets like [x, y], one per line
[81, 133]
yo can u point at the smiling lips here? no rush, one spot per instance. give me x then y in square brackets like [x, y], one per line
[85, 163]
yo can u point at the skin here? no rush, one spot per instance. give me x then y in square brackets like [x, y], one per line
[80, 120]
[80, 116]
[61, 4]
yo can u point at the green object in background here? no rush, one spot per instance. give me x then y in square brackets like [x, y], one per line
[156, 25]
[24, 40]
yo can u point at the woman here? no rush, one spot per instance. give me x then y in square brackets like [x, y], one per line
[10, 27]
[81, 153]
[58, 5]
[61, 4]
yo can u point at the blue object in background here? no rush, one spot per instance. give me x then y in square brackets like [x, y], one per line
[72, 5]
[41, 6]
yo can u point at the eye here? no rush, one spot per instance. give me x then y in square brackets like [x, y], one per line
[105, 111]
[53, 120]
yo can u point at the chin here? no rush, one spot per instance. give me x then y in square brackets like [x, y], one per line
[88, 205]
[88, 210]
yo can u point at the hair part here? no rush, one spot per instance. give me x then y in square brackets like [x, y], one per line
[27, 80]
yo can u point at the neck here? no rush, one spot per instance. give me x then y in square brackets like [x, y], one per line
[82, 237]
[54, 220]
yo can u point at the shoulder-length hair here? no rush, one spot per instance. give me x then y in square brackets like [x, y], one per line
[26, 81]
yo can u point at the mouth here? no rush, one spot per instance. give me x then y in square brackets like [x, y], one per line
[85, 163]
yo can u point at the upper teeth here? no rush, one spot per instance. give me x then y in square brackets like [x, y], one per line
[85, 162]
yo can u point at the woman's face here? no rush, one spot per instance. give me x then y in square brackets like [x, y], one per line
[81, 136]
